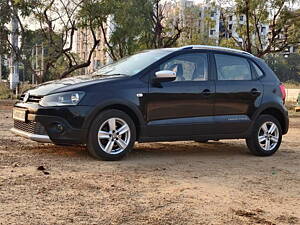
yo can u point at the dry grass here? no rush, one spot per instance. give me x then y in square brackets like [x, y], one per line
[182, 183]
[292, 85]
[5, 93]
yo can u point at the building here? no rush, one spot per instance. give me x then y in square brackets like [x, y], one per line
[201, 22]
[211, 21]
[84, 42]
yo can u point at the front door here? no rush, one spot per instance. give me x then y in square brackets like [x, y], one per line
[183, 107]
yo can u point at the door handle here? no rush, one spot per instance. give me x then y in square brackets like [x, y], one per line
[255, 92]
[206, 92]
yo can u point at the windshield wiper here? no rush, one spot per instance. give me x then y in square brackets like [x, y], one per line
[108, 75]
[98, 75]
[118, 74]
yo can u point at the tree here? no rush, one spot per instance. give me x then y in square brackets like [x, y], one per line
[122, 34]
[164, 31]
[146, 27]
[57, 23]
[287, 69]
[198, 23]
[283, 24]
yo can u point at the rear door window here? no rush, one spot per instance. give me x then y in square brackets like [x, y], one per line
[232, 67]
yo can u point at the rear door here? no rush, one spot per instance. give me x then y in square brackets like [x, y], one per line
[183, 107]
[238, 93]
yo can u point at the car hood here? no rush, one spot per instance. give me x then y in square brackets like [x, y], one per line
[68, 84]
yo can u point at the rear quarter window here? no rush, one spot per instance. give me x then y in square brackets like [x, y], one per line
[257, 70]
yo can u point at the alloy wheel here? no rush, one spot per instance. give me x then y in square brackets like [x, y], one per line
[114, 136]
[268, 136]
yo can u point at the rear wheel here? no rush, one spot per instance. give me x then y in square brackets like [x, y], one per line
[266, 135]
[111, 136]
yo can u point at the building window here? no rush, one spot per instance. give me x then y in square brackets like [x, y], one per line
[263, 30]
[230, 18]
[241, 18]
[212, 32]
[230, 27]
[212, 14]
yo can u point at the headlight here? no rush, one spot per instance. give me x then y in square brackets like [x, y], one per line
[62, 99]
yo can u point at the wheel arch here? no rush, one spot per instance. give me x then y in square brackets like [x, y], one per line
[127, 107]
[278, 113]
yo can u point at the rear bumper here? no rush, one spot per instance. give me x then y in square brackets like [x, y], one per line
[33, 137]
[287, 123]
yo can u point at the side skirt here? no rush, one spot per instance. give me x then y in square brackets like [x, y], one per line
[191, 138]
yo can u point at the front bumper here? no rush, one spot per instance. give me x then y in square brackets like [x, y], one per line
[33, 137]
[60, 125]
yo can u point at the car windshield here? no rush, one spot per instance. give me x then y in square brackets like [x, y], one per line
[134, 64]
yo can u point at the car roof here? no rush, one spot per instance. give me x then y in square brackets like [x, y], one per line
[217, 48]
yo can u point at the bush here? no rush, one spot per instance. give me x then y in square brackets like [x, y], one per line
[287, 69]
[25, 86]
[5, 92]
[292, 84]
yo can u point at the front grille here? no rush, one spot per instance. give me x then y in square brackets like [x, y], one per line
[31, 98]
[30, 127]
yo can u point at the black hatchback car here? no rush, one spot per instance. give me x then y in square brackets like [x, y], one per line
[195, 93]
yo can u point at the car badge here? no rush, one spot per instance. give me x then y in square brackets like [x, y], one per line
[26, 97]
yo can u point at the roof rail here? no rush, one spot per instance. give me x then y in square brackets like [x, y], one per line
[216, 48]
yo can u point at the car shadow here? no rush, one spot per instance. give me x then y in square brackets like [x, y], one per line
[151, 150]
[181, 149]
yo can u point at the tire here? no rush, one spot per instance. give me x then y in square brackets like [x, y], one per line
[262, 128]
[109, 144]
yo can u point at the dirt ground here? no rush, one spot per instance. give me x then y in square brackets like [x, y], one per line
[160, 183]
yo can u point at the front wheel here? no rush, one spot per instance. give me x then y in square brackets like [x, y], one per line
[266, 135]
[111, 135]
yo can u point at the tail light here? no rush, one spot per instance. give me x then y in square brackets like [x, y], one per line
[283, 92]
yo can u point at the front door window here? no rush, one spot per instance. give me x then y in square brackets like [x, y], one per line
[188, 67]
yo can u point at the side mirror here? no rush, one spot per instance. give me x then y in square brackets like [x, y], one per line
[165, 76]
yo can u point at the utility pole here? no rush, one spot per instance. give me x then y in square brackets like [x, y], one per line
[110, 30]
[86, 50]
[36, 59]
[32, 65]
[0, 68]
[37, 62]
[13, 63]
[42, 63]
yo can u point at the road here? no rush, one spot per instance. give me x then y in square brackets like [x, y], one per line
[159, 183]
